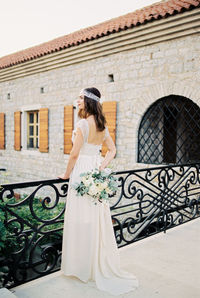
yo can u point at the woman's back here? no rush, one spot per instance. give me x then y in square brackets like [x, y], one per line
[95, 137]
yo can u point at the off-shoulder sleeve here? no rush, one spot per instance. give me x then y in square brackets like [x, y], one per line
[82, 124]
[106, 133]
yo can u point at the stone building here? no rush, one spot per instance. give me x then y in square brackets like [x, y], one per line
[147, 67]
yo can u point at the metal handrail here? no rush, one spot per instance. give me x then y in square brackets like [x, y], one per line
[148, 201]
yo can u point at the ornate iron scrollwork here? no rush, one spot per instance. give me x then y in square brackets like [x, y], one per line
[148, 201]
[155, 199]
[36, 237]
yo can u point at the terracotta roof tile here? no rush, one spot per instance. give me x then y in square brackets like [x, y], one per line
[147, 14]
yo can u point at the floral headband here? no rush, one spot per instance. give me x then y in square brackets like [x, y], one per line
[89, 95]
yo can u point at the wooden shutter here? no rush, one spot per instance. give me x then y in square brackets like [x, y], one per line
[110, 111]
[68, 128]
[17, 123]
[44, 130]
[2, 131]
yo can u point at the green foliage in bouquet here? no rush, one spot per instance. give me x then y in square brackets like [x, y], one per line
[100, 185]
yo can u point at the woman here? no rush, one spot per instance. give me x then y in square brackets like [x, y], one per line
[89, 248]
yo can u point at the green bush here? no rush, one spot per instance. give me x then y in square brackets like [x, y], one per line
[3, 230]
[8, 241]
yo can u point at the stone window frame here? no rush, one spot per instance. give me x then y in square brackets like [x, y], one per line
[34, 136]
[24, 133]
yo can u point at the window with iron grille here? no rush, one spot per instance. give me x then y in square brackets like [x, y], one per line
[32, 129]
[169, 132]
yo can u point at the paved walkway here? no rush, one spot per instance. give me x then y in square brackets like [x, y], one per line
[167, 266]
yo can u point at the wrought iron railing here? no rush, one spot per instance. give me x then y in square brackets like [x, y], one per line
[33, 224]
[153, 200]
[148, 201]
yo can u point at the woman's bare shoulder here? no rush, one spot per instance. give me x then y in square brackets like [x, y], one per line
[81, 122]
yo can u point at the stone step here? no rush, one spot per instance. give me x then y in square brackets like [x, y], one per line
[5, 293]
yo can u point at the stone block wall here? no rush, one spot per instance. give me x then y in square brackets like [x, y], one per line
[141, 76]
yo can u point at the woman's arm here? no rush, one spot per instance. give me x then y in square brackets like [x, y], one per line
[78, 142]
[110, 153]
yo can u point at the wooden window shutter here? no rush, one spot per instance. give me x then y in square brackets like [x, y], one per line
[110, 111]
[68, 128]
[2, 131]
[44, 130]
[17, 124]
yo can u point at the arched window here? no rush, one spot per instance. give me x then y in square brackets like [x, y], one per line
[169, 132]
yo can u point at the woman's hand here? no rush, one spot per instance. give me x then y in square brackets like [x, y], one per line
[101, 168]
[63, 176]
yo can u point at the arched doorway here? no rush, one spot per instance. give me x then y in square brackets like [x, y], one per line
[169, 132]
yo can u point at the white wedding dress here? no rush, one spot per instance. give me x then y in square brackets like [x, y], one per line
[89, 249]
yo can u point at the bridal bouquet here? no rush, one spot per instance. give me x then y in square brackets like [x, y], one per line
[100, 185]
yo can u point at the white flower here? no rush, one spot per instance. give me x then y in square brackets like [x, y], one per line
[93, 190]
[108, 191]
[100, 187]
[105, 184]
[108, 171]
[97, 185]
[90, 180]
[86, 181]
